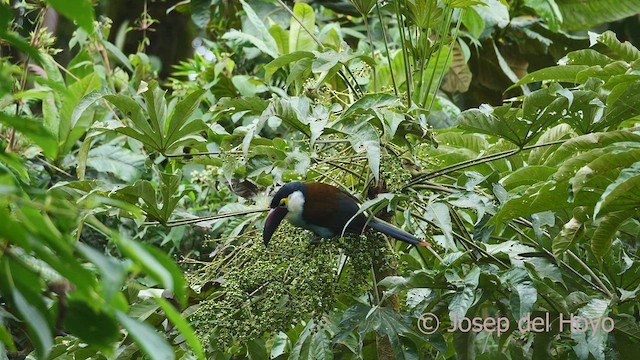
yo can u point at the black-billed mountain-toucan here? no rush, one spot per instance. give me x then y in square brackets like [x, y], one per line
[325, 210]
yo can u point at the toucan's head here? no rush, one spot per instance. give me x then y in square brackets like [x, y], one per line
[290, 198]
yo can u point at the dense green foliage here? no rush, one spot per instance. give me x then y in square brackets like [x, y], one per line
[132, 205]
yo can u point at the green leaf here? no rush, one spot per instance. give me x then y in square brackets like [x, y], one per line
[283, 60]
[122, 58]
[563, 73]
[149, 341]
[183, 326]
[527, 175]
[364, 138]
[261, 39]
[523, 293]
[112, 272]
[94, 326]
[611, 158]
[34, 130]
[200, 12]
[548, 10]
[473, 22]
[584, 15]
[299, 39]
[623, 194]
[73, 125]
[39, 329]
[371, 102]
[608, 226]
[155, 263]
[464, 297]
[6, 338]
[132, 110]
[180, 116]
[281, 37]
[625, 51]
[622, 104]
[439, 213]
[80, 11]
[574, 146]
[116, 160]
[571, 232]
[156, 110]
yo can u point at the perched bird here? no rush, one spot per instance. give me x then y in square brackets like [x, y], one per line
[325, 210]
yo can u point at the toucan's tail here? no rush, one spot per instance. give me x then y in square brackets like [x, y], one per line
[388, 229]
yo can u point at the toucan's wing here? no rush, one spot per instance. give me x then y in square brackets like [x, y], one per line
[329, 207]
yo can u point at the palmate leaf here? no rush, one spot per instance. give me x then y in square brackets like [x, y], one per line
[156, 127]
[540, 110]
[155, 207]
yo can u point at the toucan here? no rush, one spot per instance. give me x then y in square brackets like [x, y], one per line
[325, 210]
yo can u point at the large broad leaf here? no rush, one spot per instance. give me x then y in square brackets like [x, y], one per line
[94, 326]
[200, 12]
[563, 73]
[299, 38]
[540, 110]
[592, 342]
[618, 157]
[582, 15]
[156, 128]
[549, 195]
[622, 104]
[72, 124]
[527, 175]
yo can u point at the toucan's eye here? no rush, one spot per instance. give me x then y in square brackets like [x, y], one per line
[283, 202]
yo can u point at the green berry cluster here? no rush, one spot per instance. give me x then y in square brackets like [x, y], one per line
[393, 173]
[268, 290]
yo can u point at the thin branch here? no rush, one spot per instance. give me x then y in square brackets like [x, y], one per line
[473, 162]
